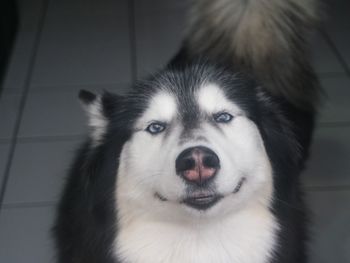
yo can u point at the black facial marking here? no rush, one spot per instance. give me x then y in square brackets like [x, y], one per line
[190, 115]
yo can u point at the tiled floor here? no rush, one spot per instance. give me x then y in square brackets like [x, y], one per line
[66, 45]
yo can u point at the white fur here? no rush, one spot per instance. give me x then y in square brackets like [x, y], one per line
[97, 120]
[253, 29]
[268, 38]
[247, 236]
[212, 99]
[163, 108]
[239, 228]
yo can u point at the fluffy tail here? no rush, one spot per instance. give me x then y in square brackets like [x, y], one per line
[267, 37]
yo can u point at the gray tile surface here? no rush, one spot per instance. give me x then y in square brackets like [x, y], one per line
[159, 33]
[100, 88]
[84, 42]
[329, 163]
[53, 114]
[341, 39]
[330, 240]
[4, 152]
[336, 107]
[25, 235]
[160, 6]
[9, 108]
[38, 171]
[324, 58]
[19, 64]
[337, 14]
[58, 111]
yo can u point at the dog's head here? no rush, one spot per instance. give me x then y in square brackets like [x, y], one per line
[192, 143]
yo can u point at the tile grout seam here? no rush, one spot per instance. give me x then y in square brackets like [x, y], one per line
[82, 136]
[308, 189]
[23, 100]
[335, 188]
[132, 39]
[28, 205]
[336, 52]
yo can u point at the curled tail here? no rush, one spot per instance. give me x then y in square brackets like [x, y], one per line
[267, 37]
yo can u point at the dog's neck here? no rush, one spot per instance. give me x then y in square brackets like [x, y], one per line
[248, 236]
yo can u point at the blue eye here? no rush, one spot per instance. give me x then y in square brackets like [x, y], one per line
[223, 117]
[156, 127]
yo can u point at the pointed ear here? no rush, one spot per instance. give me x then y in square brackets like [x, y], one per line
[87, 97]
[93, 106]
[100, 110]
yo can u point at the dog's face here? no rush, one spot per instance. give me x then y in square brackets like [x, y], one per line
[194, 152]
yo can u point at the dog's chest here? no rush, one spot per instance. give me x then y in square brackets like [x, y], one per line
[246, 238]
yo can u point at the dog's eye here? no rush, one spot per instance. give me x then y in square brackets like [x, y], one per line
[223, 117]
[156, 127]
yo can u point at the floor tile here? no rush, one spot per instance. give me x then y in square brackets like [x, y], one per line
[25, 235]
[98, 89]
[84, 42]
[159, 32]
[4, 152]
[337, 14]
[9, 108]
[53, 114]
[38, 170]
[336, 106]
[160, 6]
[324, 59]
[341, 39]
[59, 112]
[329, 162]
[30, 13]
[331, 227]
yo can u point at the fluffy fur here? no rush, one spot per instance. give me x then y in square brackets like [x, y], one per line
[125, 200]
[268, 37]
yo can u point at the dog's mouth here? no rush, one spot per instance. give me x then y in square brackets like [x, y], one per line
[203, 199]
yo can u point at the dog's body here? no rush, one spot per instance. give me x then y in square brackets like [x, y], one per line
[200, 163]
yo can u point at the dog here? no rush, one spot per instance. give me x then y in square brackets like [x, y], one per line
[201, 161]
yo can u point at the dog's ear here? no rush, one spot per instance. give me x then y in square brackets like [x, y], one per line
[99, 109]
[87, 97]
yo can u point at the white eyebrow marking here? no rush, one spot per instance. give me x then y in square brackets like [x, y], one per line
[162, 107]
[212, 99]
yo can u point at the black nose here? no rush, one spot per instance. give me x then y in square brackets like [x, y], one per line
[197, 164]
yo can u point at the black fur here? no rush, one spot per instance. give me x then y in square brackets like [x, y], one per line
[87, 97]
[86, 224]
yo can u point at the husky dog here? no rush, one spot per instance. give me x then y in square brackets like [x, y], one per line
[200, 162]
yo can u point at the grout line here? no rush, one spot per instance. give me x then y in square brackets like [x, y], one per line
[336, 52]
[331, 75]
[54, 138]
[23, 100]
[46, 138]
[72, 87]
[28, 205]
[343, 124]
[334, 188]
[132, 39]
[5, 141]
